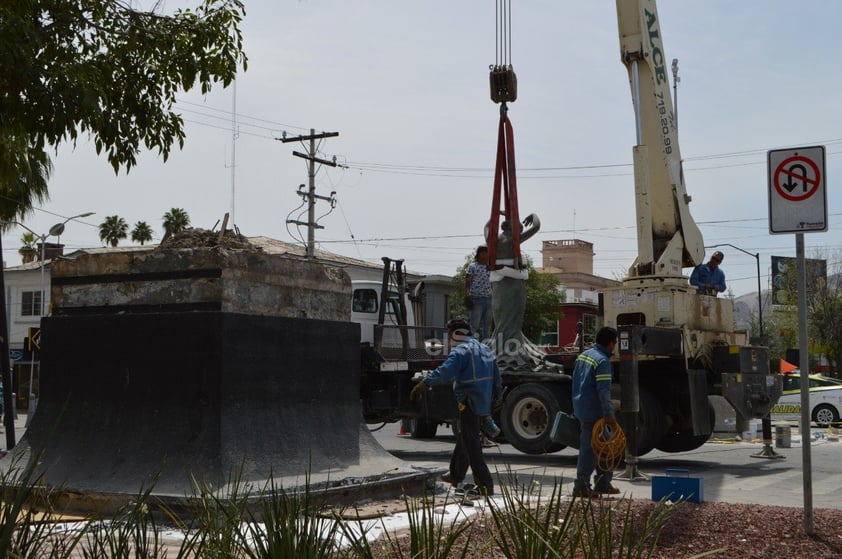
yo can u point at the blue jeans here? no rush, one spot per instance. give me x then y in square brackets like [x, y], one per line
[586, 463]
[481, 317]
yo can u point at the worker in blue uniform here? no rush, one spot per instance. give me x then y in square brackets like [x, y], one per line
[471, 369]
[709, 278]
[592, 401]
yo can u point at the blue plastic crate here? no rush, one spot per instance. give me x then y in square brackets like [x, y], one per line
[678, 485]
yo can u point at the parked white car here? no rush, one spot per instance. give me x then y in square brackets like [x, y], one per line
[825, 399]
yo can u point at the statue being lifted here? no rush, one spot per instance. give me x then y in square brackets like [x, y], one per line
[508, 280]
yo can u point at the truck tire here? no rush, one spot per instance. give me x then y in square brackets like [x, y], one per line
[685, 441]
[527, 416]
[422, 428]
[650, 420]
[825, 414]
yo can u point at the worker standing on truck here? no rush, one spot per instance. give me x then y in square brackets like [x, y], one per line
[709, 278]
[478, 293]
[591, 401]
[471, 368]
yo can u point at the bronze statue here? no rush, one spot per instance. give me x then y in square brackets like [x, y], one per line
[508, 281]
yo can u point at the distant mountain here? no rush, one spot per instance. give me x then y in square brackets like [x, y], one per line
[745, 307]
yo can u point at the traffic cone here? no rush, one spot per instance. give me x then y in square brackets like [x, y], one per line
[787, 367]
[402, 432]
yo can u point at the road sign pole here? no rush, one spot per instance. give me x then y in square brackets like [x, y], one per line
[798, 204]
[804, 363]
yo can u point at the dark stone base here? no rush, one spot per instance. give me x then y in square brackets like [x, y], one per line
[157, 400]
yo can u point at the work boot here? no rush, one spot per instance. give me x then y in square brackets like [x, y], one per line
[583, 492]
[606, 489]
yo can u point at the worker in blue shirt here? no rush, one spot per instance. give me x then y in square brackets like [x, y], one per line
[592, 401]
[709, 278]
[471, 368]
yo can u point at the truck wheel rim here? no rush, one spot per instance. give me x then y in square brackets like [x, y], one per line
[529, 418]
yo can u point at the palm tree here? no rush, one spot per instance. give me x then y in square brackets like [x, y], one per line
[25, 186]
[113, 229]
[141, 233]
[27, 249]
[175, 221]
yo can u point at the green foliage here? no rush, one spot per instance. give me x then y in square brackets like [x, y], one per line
[112, 229]
[107, 70]
[431, 535]
[142, 233]
[216, 519]
[456, 301]
[175, 221]
[24, 501]
[543, 299]
[780, 328]
[27, 241]
[133, 533]
[531, 526]
[826, 321]
[824, 316]
[265, 521]
[287, 526]
[524, 528]
[24, 169]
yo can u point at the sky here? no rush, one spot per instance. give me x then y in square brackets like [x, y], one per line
[405, 84]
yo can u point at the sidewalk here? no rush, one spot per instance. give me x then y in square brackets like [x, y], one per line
[20, 429]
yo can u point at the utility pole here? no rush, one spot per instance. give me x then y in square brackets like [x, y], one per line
[310, 196]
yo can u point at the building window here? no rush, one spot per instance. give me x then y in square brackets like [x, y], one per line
[31, 304]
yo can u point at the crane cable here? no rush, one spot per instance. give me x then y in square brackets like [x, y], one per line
[502, 77]
[608, 442]
[503, 26]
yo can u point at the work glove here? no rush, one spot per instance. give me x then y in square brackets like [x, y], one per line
[610, 424]
[419, 389]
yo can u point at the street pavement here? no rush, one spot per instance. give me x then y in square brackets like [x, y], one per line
[19, 430]
[727, 466]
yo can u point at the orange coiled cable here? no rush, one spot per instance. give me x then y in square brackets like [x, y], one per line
[608, 442]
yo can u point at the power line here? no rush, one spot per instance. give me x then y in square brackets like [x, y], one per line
[485, 172]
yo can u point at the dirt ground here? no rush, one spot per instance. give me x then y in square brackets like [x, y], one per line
[737, 531]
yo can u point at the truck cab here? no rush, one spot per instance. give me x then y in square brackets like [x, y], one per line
[365, 310]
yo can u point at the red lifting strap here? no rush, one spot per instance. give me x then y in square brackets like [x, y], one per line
[505, 176]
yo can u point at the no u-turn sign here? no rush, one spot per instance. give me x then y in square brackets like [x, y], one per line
[797, 190]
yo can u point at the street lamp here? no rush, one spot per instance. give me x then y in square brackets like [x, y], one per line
[55, 231]
[759, 293]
